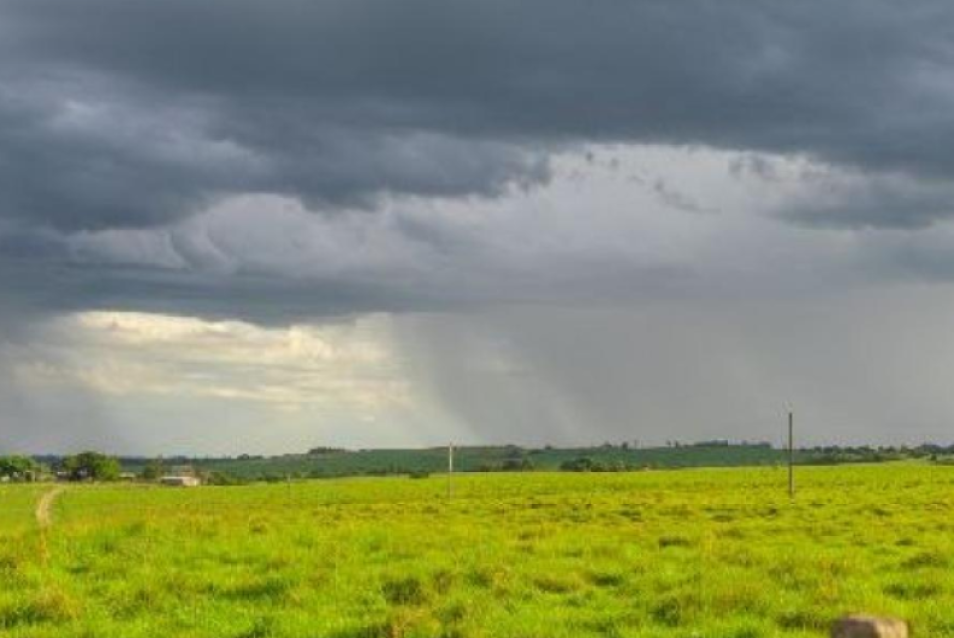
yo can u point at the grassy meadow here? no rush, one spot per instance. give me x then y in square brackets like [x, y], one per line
[707, 553]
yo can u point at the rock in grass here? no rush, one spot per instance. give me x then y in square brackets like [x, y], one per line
[869, 627]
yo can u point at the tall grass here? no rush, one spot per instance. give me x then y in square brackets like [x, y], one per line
[713, 553]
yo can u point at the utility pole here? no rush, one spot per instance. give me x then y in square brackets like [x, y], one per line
[791, 454]
[450, 470]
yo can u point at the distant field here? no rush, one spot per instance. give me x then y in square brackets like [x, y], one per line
[709, 553]
[474, 459]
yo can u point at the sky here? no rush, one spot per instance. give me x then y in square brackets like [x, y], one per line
[235, 226]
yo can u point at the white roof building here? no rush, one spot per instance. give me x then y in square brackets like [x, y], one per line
[180, 481]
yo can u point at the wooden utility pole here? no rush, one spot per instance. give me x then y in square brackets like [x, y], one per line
[791, 454]
[450, 470]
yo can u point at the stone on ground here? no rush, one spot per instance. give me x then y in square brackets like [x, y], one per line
[869, 627]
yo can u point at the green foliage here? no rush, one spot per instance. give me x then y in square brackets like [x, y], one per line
[586, 464]
[222, 478]
[153, 470]
[318, 451]
[19, 468]
[327, 462]
[91, 466]
[330, 463]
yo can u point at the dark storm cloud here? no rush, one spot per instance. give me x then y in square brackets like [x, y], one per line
[39, 287]
[131, 113]
[91, 153]
[41, 274]
[886, 202]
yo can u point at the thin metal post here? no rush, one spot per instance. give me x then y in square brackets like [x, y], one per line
[450, 470]
[791, 455]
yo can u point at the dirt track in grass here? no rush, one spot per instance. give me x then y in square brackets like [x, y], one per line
[44, 507]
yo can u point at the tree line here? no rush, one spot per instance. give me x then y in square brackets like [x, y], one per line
[85, 466]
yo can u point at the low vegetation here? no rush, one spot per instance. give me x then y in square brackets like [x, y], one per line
[19, 469]
[720, 553]
[91, 466]
[327, 462]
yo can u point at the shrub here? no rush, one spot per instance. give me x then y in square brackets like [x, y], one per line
[91, 466]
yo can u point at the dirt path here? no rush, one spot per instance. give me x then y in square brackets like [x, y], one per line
[44, 507]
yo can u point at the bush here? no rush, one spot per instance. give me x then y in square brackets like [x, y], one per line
[223, 478]
[18, 468]
[517, 465]
[581, 464]
[91, 466]
[153, 470]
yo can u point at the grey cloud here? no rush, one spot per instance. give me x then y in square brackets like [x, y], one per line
[68, 420]
[263, 290]
[105, 156]
[753, 164]
[31, 288]
[673, 197]
[126, 126]
[866, 366]
[345, 101]
[886, 201]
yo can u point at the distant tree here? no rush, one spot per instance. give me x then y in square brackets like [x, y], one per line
[153, 470]
[513, 452]
[91, 466]
[223, 478]
[317, 451]
[580, 464]
[18, 468]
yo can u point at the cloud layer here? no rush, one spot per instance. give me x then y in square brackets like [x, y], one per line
[553, 206]
[131, 114]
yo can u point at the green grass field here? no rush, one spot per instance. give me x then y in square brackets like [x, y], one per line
[708, 553]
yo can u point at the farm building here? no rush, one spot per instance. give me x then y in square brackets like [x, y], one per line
[180, 481]
[181, 476]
